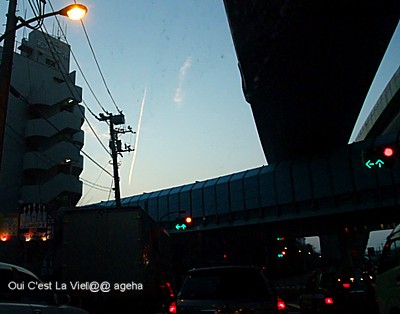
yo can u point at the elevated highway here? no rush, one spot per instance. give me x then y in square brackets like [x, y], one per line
[306, 69]
[307, 66]
[384, 117]
[301, 189]
[323, 195]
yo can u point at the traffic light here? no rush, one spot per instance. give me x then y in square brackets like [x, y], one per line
[280, 239]
[281, 254]
[183, 224]
[381, 157]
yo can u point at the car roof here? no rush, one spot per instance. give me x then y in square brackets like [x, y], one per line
[19, 268]
[395, 233]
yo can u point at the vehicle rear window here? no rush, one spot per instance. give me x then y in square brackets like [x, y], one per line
[235, 284]
[335, 281]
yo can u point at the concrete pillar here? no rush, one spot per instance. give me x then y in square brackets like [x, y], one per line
[330, 249]
[358, 245]
[344, 248]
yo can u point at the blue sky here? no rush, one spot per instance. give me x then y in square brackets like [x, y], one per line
[196, 124]
[179, 55]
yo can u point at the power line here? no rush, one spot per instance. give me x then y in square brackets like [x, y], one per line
[78, 65]
[92, 187]
[98, 66]
[21, 141]
[96, 185]
[58, 130]
[60, 64]
[40, 11]
[95, 134]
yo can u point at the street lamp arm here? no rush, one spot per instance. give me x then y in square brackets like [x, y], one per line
[169, 213]
[25, 23]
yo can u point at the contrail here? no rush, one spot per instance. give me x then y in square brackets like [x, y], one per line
[137, 136]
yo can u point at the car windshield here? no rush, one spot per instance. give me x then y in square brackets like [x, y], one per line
[235, 284]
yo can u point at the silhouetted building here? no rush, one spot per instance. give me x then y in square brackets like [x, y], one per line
[43, 138]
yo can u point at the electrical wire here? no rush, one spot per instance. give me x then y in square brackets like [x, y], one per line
[63, 71]
[41, 155]
[51, 162]
[40, 12]
[66, 80]
[96, 186]
[78, 65]
[98, 67]
[97, 63]
[95, 134]
[58, 130]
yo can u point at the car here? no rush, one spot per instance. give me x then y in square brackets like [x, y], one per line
[227, 289]
[387, 282]
[22, 292]
[338, 291]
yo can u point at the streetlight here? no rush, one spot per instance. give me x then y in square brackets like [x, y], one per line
[73, 11]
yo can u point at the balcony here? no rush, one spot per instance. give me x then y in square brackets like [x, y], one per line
[55, 124]
[48, 191]
[54, 156]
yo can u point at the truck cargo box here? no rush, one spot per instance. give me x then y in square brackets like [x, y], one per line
[111, 254]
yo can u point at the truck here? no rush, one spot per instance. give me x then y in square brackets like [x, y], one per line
[110, 259]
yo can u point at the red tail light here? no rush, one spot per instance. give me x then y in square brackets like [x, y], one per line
[171, 294]
[328, 301]
[5, 237]
[172, 308]
[346, 285]
[281, 305]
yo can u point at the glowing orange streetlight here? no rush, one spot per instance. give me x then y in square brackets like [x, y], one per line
[74, 11]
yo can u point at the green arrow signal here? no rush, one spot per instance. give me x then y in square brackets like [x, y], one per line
[179, 227]
[378, 163]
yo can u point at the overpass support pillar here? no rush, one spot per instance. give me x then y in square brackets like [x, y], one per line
[344, 248]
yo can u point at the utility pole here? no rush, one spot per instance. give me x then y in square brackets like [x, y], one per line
[6, 69]
[116, 147]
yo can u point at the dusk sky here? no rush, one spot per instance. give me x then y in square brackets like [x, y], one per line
[177, 58]
[179, 55]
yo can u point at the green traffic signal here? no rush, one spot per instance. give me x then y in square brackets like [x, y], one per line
[378, 163]
[381, 157]
[180, 227]
[183, 224]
